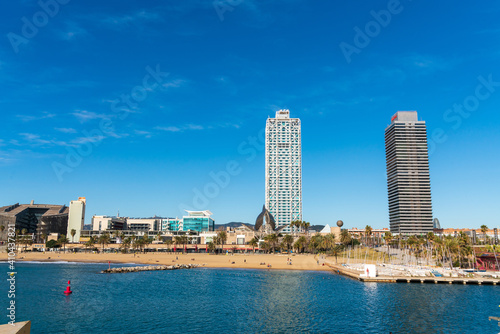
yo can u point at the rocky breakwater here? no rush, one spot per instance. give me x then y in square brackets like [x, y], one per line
[148, 268]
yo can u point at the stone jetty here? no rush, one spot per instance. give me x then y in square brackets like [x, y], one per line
[148, 268]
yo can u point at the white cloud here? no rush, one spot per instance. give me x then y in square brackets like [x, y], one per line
[28, 118]
[168, 128]
[65, 130]
[84, 115]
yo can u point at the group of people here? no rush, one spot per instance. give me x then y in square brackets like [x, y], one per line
[289, 260]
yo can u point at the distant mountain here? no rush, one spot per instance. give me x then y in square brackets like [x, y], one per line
[316, 228]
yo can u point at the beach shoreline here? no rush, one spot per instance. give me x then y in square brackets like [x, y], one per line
[237, 261]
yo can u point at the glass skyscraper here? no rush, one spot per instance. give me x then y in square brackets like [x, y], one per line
[408, 180]
[284, 168]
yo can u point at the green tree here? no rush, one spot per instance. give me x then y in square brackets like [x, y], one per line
[300, 244]
[368, 233]
[484, 230]
[52, 244]
[273, 240]
[328, 242]
[91, 242]
[73, 232]
[254, 243]
[63, 241]
[104, 239]
[336, 250]
[212, 247]
[345, 237]
[288, 241]
[222, 237]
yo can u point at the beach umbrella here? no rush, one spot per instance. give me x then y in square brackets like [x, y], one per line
[206, 248]
[175, 248]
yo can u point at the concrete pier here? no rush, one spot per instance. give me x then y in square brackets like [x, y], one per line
[404, 279]
[23, 327]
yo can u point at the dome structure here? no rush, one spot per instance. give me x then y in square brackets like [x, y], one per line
[340, 223]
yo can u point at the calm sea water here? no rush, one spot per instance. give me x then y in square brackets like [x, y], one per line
[241, 301]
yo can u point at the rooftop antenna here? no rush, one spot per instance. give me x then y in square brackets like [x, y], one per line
[118, 215]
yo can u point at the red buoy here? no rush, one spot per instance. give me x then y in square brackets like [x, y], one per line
[68, 289]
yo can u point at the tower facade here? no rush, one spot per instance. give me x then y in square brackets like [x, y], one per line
[76, 218]
[284, 169]
[408, 180]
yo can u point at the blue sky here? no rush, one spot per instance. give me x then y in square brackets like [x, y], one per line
[139, 106]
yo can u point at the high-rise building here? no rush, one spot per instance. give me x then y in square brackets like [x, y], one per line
[408, 181]
[284, 169]
[76, 218]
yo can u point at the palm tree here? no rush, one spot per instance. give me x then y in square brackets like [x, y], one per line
[63, 241]
[104, 240]
[288, 241]
[328, 242]
[254, 243]
[169, 242]
[44, 237]
[345, 237]
[368, 233]
[272, 239]
[296, 224]
[300, 244]
[73, 232]
[388, 238]
[484, 230]
[222, 237]
[90, 243]
[305, 225]
[211, 247]
[336, 250]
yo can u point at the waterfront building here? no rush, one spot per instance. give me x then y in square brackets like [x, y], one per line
[199, 221]
[76, 218]
[408, 180]
[37, 219]
[284, 169]
[171, 224]
[101, 223]
[144, 224]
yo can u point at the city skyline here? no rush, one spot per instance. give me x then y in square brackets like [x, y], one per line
[157, 108]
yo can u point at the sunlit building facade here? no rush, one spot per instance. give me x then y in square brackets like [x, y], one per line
[408, 180]
[284, 169]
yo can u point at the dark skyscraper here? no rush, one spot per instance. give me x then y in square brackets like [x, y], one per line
[408, 181]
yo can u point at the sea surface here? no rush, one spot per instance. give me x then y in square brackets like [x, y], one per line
[206, 300]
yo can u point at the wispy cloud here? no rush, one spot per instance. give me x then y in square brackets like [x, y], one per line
[28, 118]
[146, 134]
[174, 83]
[83, 140]
[196, 127]
[168, 128]
[117, 21]
[65, 130]
[72, 31]
[84, 115]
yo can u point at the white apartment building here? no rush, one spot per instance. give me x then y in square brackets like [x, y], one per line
[284, 168]
[76, 218]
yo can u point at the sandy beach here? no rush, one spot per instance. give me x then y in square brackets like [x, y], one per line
[249, 261]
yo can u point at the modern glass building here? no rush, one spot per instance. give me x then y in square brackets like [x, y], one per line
[199, 221]
[284, 169]
[408, 180]
[171, 224]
